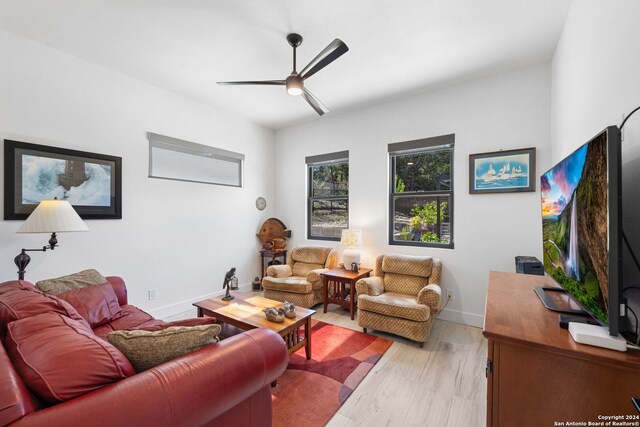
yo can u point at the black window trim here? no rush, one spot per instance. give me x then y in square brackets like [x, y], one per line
[323, 159]
[416, 146]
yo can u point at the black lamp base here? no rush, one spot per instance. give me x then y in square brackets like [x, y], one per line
[22, 260]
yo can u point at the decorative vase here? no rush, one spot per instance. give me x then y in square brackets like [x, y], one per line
[289, 310]
[274, 315]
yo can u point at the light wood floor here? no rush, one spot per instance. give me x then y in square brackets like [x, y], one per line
[440, 385]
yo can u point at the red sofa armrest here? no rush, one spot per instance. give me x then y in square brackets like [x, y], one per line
[193, 389]
[119, 288]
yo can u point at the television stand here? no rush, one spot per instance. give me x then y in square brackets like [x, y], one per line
[537, 375]
[551, 305]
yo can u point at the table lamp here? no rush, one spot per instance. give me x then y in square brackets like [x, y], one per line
[50, 216]
[351, 238]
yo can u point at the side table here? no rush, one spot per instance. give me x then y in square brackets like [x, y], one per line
[273, 254]
[338, 279]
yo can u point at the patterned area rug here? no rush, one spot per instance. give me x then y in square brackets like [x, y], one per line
[311, 391]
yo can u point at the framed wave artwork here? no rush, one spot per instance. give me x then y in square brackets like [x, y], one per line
[91, 182]
[505, 171]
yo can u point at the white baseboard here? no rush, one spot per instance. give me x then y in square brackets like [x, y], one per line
[470, 319]
[186, 305]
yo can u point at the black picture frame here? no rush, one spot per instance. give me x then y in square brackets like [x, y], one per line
[20, 200]
[500, 181]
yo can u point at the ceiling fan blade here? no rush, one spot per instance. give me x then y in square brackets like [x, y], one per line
[314, 102]
[335, 50]
[255, 82]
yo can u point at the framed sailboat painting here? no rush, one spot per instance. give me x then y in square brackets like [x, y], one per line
[505, 171]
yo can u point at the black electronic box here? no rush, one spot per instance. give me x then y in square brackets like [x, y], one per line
[529, 265]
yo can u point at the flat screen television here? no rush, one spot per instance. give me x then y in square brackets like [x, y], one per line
[581, 228]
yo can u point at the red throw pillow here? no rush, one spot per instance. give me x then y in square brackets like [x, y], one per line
[21, 303]
[97, 304]
[59, 358]
[12, 285]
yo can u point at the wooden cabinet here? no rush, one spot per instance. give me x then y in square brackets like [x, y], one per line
[538, 376]
[343, 287]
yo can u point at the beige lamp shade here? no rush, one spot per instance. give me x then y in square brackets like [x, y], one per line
[53, 216]
[351, 237]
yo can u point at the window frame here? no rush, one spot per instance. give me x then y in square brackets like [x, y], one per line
[320, 160]
[415, 147]
[198, 153]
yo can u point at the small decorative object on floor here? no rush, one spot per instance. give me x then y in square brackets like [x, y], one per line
[228, 278]
[274, 314]
[255, 285]
[289, 309]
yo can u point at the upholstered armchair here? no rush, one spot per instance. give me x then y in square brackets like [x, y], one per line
[300, 280]
[402, 297]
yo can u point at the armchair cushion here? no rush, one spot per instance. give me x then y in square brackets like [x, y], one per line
[407, 265]
[395, 305]
[67, 283]
[293, 284]
[97, 304]
[60, 358]
[310, 255]
[404, 284]
[146, 349]
[373, 286]
[302, 269]
[279, 271]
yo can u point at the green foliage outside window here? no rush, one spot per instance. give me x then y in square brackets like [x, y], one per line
[422, 196]
[428, 171]
[330, 180]
[328, 199]
[428, 213]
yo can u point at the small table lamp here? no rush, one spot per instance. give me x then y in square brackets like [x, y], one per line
[352, 238]
[50, 216]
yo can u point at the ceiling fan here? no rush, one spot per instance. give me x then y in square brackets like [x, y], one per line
[295, 82]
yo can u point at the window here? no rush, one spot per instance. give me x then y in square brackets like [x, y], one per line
[172, 158]
[421, 192]
[328, 195]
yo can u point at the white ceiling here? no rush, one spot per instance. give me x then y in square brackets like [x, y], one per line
[396, 47]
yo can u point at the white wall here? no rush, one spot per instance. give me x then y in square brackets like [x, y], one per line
[595, 81]
[175, 236]
[502, 112]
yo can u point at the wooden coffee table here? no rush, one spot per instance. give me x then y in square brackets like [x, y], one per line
[245, 312]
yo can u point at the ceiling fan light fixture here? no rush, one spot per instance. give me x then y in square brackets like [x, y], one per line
[294, 85]
[295, 82]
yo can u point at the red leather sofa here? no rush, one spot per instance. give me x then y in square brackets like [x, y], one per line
[223, 384]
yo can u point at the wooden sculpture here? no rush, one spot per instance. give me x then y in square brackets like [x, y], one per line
[273, 234]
